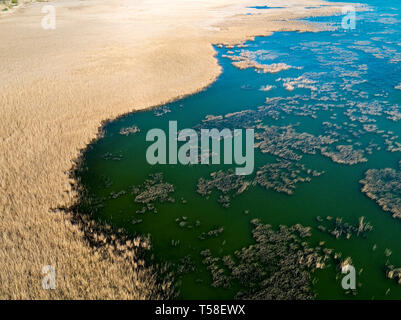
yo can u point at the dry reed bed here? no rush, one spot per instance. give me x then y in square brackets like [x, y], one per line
[103, 60]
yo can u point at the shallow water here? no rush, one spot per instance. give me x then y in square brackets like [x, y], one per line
[344, 68]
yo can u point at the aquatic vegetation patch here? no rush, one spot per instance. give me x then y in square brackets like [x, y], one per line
[161, 111]
[266, 88]
[247, 59]
[152, 190]
[264, 68]
[280, 176]
[345, 154]
[183, 222]
[265, 270]
[129, 130]
[111, 156]
[394, 112]
[384, 186]
[284, 141]
[340, 229]
[393, 272]
[283, 176]
[186, 265]
[301, 82]
[211, 233]
[224, 181]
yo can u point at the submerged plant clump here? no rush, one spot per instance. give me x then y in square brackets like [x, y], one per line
[211, 234]
[278, 266]
[111, 156]
[283, 176]
[184, 223]
[224, 181]
[393, 273]
[153, 190]
[247, 59]
[186, 265]
[129, 130]
[159, 112]
[384, 186]
[339, 229]
[284, 141]
[345, 154]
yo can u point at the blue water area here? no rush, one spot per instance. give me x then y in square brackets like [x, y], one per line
[265, 7]
[342, 85]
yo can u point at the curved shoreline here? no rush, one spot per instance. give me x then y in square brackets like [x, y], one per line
[56, 89]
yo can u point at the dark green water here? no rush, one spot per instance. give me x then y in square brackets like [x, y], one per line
[330, 59]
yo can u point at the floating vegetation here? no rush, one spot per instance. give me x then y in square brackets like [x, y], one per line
[111, 156]
[345, 154]
[393, 273]
[152, 190]
[384, 186]
[175, 243]
[393, 113]
[184, 223]
[115, 195]
[283, 176]
[161, 111]
[129, 130]
[136, 221]
[266, 270]
[225, 182]
[220, 277]
[211, 234]
[266, 88]
[287, 143]
[224, 201]
[393, 146]
[301, 82]
[246, 60]
[284, 141]
[106, 182]
[247, 87]
[345, 263]
[264, 68]
[339, 229]
[186, 265]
